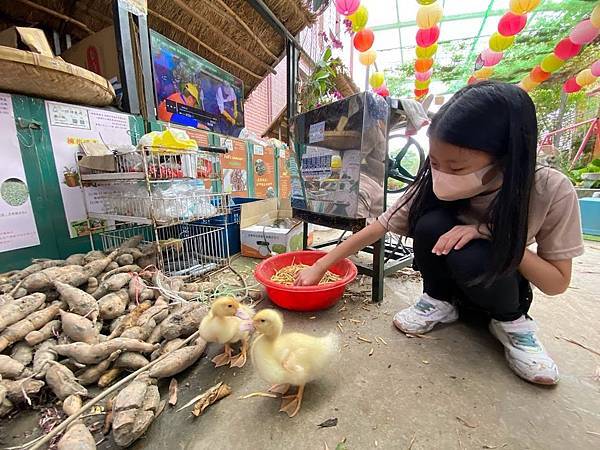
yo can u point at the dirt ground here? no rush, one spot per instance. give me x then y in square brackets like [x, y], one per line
[451, 390]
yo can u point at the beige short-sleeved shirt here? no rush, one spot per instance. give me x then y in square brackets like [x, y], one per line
[554, 221]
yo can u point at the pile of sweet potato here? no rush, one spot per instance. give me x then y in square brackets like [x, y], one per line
[89, 320]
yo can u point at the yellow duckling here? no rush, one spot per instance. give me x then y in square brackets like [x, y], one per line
[228, 322]
[289, 359]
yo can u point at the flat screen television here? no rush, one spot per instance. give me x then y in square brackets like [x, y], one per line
[193, 92]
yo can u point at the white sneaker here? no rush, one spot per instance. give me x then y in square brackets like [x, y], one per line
[424, 315]
[524, 352]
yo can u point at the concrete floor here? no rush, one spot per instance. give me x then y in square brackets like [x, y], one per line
[453, 391]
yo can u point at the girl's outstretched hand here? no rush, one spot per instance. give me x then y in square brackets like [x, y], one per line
[309, 276]
[457, 238]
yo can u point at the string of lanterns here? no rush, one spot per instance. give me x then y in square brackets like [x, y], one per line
[509, 26]
[429, 15]
[363, 40]
[582, 34]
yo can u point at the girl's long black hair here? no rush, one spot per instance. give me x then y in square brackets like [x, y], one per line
[496, 118]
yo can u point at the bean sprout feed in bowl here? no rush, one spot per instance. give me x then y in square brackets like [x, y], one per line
[14, 192]
[287, 275]
[278, 273]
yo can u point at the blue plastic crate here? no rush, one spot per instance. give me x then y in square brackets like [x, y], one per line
[232, 223]
[590, 215]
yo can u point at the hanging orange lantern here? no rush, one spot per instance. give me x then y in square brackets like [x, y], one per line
[426, 52]
[421, 92]
[499, 43]
[367, 58]
[538, 75]
[423, 64]
[363, 40]
[585, 77]
[484, 73]
[429, 15]
[528, 84]
[523, 6]
[472, 80]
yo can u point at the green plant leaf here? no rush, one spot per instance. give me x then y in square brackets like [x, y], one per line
[321, 74]
[326, 54]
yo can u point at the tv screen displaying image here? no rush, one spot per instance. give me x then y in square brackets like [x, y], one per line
[193, 92]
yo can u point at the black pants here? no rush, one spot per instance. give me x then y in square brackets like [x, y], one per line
[449, 277]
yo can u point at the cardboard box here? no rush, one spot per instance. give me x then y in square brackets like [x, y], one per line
[97, 53]
[30, 39]
[259, 240]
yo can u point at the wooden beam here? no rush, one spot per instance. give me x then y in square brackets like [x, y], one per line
[202, 44]
[50, 12]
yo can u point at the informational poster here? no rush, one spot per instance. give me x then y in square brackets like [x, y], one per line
[70, 125]
[17, 222]
[285, 178]
[263, 165]
[234, 165]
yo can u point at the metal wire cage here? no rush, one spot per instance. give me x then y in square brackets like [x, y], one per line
[178, 250]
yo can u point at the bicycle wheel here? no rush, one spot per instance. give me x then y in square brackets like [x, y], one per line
[405, 158]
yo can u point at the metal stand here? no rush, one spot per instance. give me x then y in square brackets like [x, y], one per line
[387, 256]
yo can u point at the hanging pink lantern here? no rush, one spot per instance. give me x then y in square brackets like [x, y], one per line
[566, 49]
[382, 90]
[423, 76]
[346, 7]
[571, 86]
[596, 68]
[511, 24]
[427, 37]
[491, 58]
[584, 33]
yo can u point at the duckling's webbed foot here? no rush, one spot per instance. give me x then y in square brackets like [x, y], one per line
[290, 404]
[240, 359]
[224, 358]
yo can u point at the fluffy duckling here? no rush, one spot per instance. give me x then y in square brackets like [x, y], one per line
[228, 322]
[289, 359]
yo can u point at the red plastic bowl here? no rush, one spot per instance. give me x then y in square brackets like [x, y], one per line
[304, 298]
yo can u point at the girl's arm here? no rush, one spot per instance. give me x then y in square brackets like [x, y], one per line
[550, 277]
[312, 275]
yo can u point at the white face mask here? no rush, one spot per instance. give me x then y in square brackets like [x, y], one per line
[450, 187]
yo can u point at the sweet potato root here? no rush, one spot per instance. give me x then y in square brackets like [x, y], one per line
[134, 410]
[79, 302]
[47, 331]
[44, 280]
[19, 309]
[139, 291]
[131, 361]
[92, 374]
[78, 259]
[77, 437]
[63, 382]
[178, 361]
[93, 256]
[6, 406]
[129, 321]
[109, 377]
[183, 322]
[158, 313]
[19, 293]
[11, 368]
[113, 305]
[34, 321]
[125, 259]
[36, 267]
[15, 389]
[72, 404]
[43, 354]
[92, 285]
[111, 284]
[78, 328]
[166, 347]
[94, 354]
[22, 352]
[96, 267]
[131, 268]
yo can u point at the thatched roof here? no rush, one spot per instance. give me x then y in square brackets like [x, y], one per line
[229, 33]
